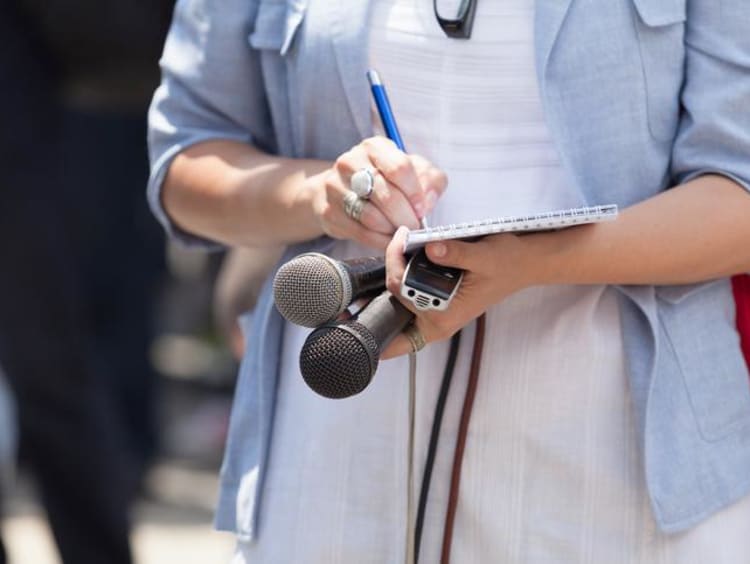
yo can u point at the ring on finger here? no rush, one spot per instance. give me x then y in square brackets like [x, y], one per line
[362, 182]
[415, 338]
[353, 205]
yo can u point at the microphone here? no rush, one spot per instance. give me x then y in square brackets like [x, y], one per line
[338, 360]
[313, 289]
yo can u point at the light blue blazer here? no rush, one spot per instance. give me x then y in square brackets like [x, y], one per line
[639, 95]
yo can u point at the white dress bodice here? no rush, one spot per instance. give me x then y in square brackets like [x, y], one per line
[551, 471]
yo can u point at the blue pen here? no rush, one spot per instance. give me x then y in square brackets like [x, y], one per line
[384, 109]
[386, 114]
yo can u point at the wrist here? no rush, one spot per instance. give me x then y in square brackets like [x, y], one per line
[283, 195]
[299, 193]
[558, 255]
[523, 261]
[541, 258]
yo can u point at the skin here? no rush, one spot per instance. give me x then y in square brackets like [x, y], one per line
[236, 194]
[694, 232]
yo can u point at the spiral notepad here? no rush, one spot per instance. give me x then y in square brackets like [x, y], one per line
[544, 221]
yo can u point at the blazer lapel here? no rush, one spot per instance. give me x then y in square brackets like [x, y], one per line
[548, 18]
[348, 24]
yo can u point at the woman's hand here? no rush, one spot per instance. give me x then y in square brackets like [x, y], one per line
[234, 193]
[405, 189]
[495, 267]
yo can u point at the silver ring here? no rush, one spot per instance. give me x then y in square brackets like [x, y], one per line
[415, 338]
[362, 182]
[353, 205]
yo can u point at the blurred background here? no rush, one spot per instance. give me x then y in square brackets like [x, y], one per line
[117, 350]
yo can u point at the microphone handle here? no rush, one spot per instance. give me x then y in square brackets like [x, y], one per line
[385, 317]
[367, 274]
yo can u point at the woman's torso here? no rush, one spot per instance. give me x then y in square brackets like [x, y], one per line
[610, 78]
[551, 469]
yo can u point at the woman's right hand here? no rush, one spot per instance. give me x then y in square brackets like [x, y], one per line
[406, 188]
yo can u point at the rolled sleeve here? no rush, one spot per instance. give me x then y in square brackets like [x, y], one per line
[211, 88]
[714, 131]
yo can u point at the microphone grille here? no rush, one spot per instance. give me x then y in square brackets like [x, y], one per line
[338, 361]
[310, 290]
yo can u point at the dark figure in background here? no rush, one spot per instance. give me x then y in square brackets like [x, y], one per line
[7, 444]
[79, 257]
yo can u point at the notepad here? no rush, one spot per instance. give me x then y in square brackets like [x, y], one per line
[545, 221]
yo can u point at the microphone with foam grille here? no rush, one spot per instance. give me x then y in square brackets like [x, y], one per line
[338, 360]
[312, 288]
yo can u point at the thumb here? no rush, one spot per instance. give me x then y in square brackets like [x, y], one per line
[459, 254]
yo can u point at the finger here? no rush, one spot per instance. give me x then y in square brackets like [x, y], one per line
[436, 183]
[366, 237]
[399, 346]
[353, 160]
[395, 267]
[430, 177]
[374, 219]
[340, 226]
[395, 262]
[392, 202]
[459, 254]
[398, 169]
[344, 315]
[371, 218]
[388, 196]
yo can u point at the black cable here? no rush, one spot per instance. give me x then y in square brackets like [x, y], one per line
[434, 435]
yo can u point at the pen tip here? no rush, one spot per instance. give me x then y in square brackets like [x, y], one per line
[373, 77]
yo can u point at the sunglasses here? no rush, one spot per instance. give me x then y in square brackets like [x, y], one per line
[455, 17]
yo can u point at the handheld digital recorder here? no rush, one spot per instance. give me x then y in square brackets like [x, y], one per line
[428, 285]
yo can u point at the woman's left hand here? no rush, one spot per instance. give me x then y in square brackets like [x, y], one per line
[495, 267]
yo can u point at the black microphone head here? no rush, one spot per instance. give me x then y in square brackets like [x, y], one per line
[311, 289]
[338, 361]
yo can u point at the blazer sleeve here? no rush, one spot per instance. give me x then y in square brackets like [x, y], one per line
[211, 88]
[714, 130]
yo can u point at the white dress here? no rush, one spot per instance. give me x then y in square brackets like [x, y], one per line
[552, 471]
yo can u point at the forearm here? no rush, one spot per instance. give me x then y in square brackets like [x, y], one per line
[236, 194]
[694, 232]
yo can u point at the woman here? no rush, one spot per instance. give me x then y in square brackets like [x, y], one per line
[613, 407]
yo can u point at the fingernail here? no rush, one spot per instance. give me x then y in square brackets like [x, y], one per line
[431, 199]
[419, 209]
[438, 250]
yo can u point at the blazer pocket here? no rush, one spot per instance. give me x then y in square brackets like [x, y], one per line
[656, 13]
[276, 24]
[660, 25]
[674, 294]
[699, 331]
